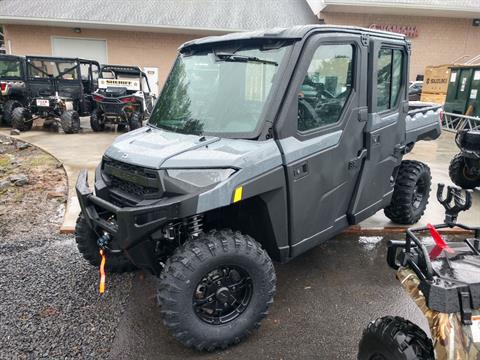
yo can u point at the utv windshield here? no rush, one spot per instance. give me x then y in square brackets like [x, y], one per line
[218, 92]
[48, 69]
[10, 69]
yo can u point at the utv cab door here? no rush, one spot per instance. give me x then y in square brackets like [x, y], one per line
[385, 128]
[89, 71]
[40, 82]
[321, 136]
[68, 80]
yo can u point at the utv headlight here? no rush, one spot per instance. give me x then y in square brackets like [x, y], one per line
[200, 177]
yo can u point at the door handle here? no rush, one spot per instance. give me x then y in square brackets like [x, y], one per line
[300, 171]
[355, 163]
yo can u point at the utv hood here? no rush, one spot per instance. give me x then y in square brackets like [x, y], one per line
[154, 148]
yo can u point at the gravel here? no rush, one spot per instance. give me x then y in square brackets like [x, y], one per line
[51, 308]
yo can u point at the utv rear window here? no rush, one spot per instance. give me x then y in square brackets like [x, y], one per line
[389, 78]
[10, 69]
[47, 69]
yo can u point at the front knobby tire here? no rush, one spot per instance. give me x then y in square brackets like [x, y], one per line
[86, 240]
[227, 267]
[394, 338]
[70, 121]
[460, 174]
[410, 194]
[21, 119]
[8, 108]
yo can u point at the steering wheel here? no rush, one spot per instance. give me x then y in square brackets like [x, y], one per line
[307, 117]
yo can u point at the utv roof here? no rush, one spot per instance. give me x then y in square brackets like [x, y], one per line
[54, 58]
[293, 33]
[10, 57]
[126, 69]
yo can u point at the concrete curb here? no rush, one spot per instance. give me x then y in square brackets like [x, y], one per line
[358, 230]
[352, 230]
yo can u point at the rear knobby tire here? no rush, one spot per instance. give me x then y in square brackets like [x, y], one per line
[135, 121]
[410, 194]
[21, 119]
[70, 121]
[394, 338]
[460, 175]
[187, 269]
[97, 122]
[8, 108]
[86, 240]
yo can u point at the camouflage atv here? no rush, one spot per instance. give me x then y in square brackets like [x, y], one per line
[444, 281]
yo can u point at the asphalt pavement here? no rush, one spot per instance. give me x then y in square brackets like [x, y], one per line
[325, 298]
[50, 307]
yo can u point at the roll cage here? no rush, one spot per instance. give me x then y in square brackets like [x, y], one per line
[117, 70]
[89, 83]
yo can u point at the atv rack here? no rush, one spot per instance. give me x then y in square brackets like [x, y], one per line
[441, 280]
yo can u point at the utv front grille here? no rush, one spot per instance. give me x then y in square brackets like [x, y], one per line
[134, 181]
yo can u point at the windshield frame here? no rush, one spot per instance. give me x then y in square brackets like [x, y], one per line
[21, 65]
[267, 114]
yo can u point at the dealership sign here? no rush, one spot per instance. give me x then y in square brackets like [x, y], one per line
[407, 30]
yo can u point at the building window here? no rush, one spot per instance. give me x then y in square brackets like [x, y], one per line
[326, 87]
[389, 78]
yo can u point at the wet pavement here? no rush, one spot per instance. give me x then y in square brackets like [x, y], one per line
[325, 298]
[437, 155]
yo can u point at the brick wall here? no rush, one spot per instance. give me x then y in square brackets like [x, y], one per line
[123, 47]
[440, 40]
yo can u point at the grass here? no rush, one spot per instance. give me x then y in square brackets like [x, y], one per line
[39, 160]
[4, 161]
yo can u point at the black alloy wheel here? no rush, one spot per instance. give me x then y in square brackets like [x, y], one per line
[222, 294]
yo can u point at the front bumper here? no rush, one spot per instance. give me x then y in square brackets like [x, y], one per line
[131, 228]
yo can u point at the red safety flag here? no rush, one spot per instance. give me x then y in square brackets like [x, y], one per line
[440, 244]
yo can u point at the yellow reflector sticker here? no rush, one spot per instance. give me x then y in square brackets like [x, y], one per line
[237, 196]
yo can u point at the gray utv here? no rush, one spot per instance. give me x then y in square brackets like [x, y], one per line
[261, 146]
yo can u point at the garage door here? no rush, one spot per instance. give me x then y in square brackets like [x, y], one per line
[81, 48]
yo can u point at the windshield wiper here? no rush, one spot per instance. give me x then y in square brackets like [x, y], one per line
[243, 58]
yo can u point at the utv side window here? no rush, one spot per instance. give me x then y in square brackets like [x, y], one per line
[326, 87]
[389, 78]
[85, 71]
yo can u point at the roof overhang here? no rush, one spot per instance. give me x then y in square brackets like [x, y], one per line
[112, 26]
[394, 8]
